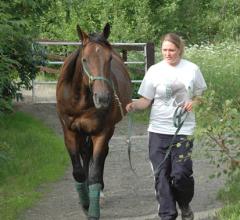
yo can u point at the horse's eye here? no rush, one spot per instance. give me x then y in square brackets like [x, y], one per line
[84, 60]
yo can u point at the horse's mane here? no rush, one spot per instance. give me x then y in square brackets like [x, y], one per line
[69, 65]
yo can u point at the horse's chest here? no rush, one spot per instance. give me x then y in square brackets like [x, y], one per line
[79, 114]
[90, 124]
[89, 121]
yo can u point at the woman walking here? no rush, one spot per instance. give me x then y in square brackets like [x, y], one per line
[168, 85]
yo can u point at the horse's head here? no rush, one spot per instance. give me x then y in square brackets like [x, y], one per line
[96, 61]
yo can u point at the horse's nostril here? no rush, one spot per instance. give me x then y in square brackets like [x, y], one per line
[102, 100]
[107, 97]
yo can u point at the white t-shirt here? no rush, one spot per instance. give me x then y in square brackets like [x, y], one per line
[170, 86]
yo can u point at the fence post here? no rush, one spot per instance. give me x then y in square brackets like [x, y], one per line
[149, 55]
[124, 55]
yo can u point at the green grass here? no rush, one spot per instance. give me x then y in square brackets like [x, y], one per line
[32, 155]
[230, 212]
[230, 195]
[232, 191]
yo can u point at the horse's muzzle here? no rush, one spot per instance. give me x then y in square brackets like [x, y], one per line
[102, 100]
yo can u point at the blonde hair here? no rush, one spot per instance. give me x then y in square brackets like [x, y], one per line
[176, 40]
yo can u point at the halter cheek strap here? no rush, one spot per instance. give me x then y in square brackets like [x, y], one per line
[92, 78]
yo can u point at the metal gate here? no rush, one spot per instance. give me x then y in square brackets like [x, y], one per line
[44, 91]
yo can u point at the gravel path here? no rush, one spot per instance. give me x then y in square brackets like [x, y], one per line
[127, 196]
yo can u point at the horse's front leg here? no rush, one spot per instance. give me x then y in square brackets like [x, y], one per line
[74, 143]
[100, 151]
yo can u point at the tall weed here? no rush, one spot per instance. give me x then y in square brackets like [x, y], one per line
[221, 69]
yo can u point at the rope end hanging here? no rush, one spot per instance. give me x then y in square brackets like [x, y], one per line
[179, 117]
[129, 142]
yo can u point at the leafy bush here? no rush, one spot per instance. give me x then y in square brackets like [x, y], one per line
[219, 116]
[222, 134]
[17, 61]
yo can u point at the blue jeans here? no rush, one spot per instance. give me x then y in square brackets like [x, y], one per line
[174, 182]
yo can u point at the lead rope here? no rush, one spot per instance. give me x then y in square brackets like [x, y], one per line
[179, 117]
[91, 78]
[129, 142]
[118, 101]
[129, 133]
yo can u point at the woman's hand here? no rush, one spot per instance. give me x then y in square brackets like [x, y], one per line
[138, 104]
[188, 106]
[130, 107]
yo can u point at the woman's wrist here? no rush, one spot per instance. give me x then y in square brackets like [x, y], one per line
[134, 106]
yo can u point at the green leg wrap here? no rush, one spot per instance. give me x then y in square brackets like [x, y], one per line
[82, 189]
[94, 196]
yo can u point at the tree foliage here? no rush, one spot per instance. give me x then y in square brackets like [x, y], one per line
[17, 61]
[145, 20]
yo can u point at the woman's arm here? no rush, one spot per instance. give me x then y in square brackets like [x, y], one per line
[138, 104]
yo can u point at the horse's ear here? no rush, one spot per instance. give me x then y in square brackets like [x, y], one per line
[82, 35]
[106, 31]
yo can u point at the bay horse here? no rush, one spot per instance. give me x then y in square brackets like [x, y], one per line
[92, 91]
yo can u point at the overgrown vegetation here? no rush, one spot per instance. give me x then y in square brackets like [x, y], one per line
[30, 154]
[219, 116]
[221, 103]
[231, 197]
